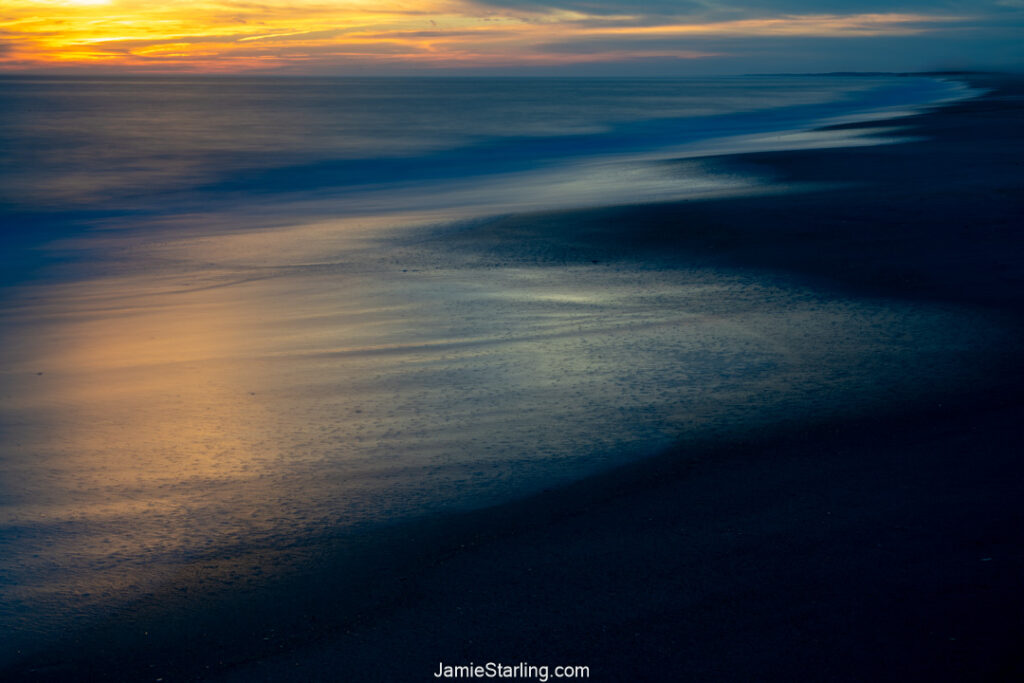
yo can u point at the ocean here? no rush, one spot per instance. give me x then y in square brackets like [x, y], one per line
[83, 148]
[241, 317]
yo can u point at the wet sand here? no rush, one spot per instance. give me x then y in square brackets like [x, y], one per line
[878, 545]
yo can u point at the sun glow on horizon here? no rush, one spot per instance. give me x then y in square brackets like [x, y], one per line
[280, 36]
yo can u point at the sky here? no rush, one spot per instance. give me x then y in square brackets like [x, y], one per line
[508, 37]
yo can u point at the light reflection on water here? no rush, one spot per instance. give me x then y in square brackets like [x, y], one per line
[196, 410]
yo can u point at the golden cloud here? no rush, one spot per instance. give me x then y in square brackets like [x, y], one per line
[231, 35]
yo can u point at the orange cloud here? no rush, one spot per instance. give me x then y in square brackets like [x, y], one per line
[235, 35]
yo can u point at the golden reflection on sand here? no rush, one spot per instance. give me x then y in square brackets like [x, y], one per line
[141, 430]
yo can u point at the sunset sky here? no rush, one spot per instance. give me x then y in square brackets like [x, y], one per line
[627, 37]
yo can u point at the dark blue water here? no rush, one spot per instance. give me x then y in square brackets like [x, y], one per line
[154, 145]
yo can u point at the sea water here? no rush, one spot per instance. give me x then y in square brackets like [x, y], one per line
[231, 325]
[170, 145]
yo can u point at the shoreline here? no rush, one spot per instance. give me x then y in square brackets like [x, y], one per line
[642, 567]
[921, 199]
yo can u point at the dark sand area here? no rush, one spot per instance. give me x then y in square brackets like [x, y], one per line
[877, 548]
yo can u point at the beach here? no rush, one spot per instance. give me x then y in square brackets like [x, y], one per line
[803, 463]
